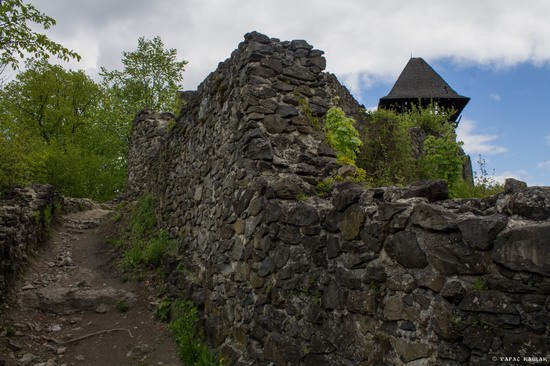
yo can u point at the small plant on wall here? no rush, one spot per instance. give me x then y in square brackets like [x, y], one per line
[342, 136]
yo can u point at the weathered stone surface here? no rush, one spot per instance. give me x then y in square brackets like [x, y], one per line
[403, 248]
[287, 189]
[282, 350]
[453, 291]
[303, 214]
[433, 190]
[433, 218]
[299, 73]
[453, 351]
[532, 203]
[478, 338]
[512, 185]
[386, 211]
[395, 309]
[25, 216]
[410, 351]
[259, 149]
[449, 256]
[361, 302]
[480, 232]
[489, 302]
[274, 123]
[343, 199]
[524, 248]
[64, 300]
[351, 222]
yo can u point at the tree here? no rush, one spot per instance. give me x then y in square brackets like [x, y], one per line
[150, 79]
[17, 38]
[55, 120]
[49, 103]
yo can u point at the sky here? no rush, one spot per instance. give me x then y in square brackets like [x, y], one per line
[497, 52]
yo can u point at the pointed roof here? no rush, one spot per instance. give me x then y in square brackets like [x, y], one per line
[418, 81]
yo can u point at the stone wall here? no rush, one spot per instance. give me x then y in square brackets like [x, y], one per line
[25, 217]
[361, 277]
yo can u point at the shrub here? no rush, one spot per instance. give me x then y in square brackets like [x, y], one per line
[442, 157]
[342, 135]
[142, 245]
[184, 328]
[386, 154]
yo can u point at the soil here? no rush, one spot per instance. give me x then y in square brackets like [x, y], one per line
[71, 307]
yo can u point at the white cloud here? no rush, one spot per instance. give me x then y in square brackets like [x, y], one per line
[547, 138]
[495, 97]
[476, 143]
[544, 164]
[365, 40]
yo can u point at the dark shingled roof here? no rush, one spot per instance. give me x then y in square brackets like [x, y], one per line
[419, 81]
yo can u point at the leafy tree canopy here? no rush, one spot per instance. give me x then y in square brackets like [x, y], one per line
[54, 122]
[17, 38]
[150, 79]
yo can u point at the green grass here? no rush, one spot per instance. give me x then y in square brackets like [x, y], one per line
[192, 350]
[143, 246]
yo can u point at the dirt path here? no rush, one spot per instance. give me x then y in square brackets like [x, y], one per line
[71, 308]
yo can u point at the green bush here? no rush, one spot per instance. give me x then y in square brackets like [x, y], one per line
[386, 155]
[484, 185]
[342, 135]
[324, 187]
[13, 167]
[184, 328]
[442, 157]
[142, 245]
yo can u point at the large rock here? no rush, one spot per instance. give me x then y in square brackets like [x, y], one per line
[532, 203]
[351, 222]
[433, 217]
[403, 248]
[447, 253]
[64, 300]
[409, 350]
[524, 247]
[480, 232]
[303, 214]
[432, 190]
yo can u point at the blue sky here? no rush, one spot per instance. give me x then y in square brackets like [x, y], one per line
[507, 120]
[497, 52]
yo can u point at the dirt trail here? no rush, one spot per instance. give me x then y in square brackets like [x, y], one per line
[71, 308]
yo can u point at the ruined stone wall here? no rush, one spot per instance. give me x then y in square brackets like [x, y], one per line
[363, 276]
[25, 215]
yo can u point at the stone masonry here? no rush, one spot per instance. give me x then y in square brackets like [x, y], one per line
[381, 276]
[25, 216]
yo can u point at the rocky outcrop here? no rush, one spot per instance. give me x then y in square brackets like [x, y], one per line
[25, 218]
[358, 276]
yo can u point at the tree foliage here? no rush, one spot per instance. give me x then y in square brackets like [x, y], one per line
[58, 126]
[54, 120]
[17, 38]
[150, 79]
[342, 135]
[387, 153]
[442, 157]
